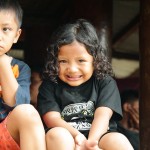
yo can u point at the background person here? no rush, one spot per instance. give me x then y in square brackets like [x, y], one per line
[129, 125]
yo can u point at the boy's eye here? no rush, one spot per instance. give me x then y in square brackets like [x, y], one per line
[6, 29]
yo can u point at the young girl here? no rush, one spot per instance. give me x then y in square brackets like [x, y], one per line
[78, 99]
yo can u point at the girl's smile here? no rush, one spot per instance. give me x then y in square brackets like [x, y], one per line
[73, 78]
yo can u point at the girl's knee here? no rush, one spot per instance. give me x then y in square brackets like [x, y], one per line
[121, 142]
[58, 133]
[61, 138]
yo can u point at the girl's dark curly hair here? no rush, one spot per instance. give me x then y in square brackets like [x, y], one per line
[83, 32]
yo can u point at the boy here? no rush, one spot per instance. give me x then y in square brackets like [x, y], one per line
[129, 125]
[19, 130]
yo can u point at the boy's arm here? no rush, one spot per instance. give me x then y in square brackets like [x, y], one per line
[14, 91]
[8, 82]
[100, 123]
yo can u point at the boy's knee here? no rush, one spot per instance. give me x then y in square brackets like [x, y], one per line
[24, 109]
[25, 112]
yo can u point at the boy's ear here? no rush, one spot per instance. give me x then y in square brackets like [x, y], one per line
[126, 107]
[17, 35]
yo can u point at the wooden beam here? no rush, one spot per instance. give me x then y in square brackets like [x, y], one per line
[126, 31]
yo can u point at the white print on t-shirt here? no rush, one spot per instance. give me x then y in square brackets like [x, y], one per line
[78, 115]
[81, 125]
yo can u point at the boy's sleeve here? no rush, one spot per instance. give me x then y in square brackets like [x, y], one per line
[23, 92]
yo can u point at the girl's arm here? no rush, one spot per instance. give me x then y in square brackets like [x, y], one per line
[53, 119]
[100, 123]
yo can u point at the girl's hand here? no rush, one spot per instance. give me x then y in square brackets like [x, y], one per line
[80, 140]
[92, 145]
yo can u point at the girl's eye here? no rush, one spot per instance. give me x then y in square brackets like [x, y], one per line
[62, 61]
[81, 60]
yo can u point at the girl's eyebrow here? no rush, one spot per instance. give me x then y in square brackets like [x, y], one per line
[61, 56]
[6, 24]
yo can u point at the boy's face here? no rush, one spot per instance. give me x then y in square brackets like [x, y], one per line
[75, 64]
[9, 32]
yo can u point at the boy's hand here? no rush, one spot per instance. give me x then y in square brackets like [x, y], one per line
[80, 140]
[92, 145]
[134, 118]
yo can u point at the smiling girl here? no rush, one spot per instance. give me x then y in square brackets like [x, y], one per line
[78, 99]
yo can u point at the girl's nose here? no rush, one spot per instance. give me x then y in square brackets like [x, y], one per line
[73, 68]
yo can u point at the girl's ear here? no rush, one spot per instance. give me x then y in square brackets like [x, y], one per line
[17, 35]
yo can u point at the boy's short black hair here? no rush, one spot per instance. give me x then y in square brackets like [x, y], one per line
[14, 6]
[129, 95]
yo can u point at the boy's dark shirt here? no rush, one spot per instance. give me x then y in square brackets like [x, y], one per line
[77, 104]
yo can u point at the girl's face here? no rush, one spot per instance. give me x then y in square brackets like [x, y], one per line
[75, 64]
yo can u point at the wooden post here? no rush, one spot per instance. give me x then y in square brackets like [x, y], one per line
[144, 36]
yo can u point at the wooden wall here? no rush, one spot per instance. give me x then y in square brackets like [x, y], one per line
[99, 12]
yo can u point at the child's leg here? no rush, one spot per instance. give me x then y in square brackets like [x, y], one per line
[25, 126]
[6, 140]
[59, 138]
[115, 141]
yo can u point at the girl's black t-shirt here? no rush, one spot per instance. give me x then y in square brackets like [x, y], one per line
[78, 104]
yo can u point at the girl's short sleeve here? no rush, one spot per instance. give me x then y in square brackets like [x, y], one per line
[109, 96]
